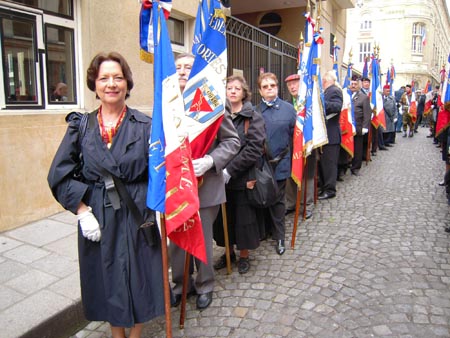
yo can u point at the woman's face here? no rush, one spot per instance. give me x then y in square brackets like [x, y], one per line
[235, 93]
[111, 85]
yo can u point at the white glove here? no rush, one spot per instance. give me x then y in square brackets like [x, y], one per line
[371, 116]
[365, 131]
[202, 165]
[226, 175]
[395, 120]
[89, 225]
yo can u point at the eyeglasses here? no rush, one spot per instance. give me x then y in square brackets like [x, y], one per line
[272, 85]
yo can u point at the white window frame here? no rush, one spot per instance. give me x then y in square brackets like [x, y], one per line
[41, 19]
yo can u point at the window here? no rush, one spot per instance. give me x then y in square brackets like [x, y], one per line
[176, 31]
[364, 51]
[62, 7]
[365, 25]
[60, 66]
[37, 50]
[19, 58]
[418, 38]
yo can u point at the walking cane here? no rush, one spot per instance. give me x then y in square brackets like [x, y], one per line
[166, 277]
[225, 234]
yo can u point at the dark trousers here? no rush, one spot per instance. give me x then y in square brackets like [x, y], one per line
[276, 213]
[358, 152]
[328, 165]
[204, 281]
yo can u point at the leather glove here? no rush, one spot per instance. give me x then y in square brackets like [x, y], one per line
[226, 175]
[202, 165]
[89, 225]
[365, 131]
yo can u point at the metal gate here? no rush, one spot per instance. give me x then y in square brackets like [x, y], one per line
[253, 51]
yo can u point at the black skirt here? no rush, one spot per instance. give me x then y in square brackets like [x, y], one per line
[243, 225]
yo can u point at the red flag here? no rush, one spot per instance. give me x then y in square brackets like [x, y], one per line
[413, 104]
[443, 120]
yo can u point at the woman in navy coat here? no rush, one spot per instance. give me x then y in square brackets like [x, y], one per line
[120, 272]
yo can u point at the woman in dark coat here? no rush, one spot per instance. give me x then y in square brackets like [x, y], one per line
[243, 225]
[120, 272]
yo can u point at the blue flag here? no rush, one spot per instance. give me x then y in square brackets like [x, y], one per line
[164, 66]
[200, 24]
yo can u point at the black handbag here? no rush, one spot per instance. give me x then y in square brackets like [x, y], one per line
[262, 188]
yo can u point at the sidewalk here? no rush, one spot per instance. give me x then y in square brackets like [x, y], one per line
[372, 262]
[39, 280]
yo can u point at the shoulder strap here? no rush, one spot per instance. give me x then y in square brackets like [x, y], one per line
[87, 122]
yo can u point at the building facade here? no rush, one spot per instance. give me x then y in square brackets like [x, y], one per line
[46, 47]
[411, 35]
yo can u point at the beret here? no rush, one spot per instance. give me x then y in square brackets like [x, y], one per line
[292, 77]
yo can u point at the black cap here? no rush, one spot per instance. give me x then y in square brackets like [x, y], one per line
[355, 77]
[365, 79]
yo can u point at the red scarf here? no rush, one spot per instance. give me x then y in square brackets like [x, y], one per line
[108, 132]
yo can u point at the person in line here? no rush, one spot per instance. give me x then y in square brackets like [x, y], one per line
[243, 224]
[293, 84]
[280, 117]
[407, 118]
[398, 95]
[363, 114]
[374, 132]
[390, 112]
[421, 98]
[120, 271]
[211, 193]
[328, 162]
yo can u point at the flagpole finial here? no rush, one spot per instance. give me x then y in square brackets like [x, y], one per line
[301, 39]
[350, 54]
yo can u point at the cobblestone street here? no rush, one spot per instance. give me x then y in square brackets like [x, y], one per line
[372, 262]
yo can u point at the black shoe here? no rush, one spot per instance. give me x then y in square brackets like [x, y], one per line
[326, 195]
[204, 300]
[389, 145]
[243, 265]
[404, 134]
[373, 153]
[411, 134]
[429, 136]
[355, 172]
[340, 179]
[177, 298]
[308, 214]
[416, 131]
[289, 211]
[280, 248]
[383, 148]
[442, 183]
[222, 261]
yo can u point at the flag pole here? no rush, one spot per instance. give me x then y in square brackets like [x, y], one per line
[297, 208]
[187, 261]
[165, 263]
[305, 187]
[225, 235]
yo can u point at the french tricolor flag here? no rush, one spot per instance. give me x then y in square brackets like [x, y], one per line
[172, 188]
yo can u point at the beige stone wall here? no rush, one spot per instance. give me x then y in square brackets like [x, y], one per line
[29, 139]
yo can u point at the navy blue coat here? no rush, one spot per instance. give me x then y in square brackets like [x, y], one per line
[121, 276]
[280, 122]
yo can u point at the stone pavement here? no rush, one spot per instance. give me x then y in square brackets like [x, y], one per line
[372, 262]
